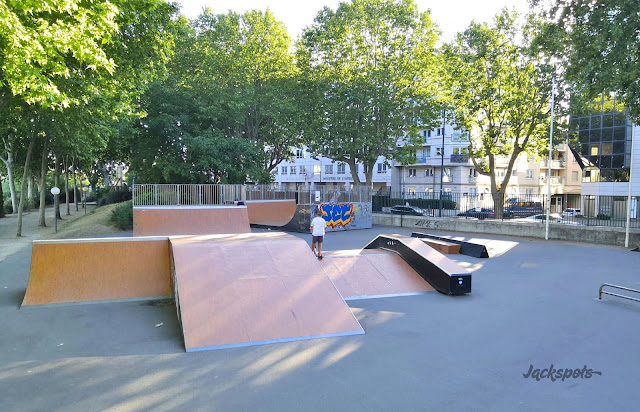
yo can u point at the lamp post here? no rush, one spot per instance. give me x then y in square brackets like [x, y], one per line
[84, 200]
[55, 191]
[441, 164]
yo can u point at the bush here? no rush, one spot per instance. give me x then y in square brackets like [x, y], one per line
[122, 216]
[114, 196]
[602, 216]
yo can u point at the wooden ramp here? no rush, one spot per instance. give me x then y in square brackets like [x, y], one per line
[364, 274]
[86, 270]
[271, 212]
[251, 289]
[189, 220]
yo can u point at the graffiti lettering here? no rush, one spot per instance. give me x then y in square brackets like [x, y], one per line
[338, 214]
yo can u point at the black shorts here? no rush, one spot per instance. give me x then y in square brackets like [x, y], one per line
[317, 239]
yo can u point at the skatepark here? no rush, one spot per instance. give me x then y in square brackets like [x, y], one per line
[533, 303]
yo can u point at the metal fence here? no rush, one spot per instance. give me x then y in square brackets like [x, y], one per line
[193, 195]
[572, 209]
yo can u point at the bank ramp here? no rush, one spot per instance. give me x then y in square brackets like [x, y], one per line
[251, 289]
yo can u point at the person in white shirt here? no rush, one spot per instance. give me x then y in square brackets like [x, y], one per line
[318, 225]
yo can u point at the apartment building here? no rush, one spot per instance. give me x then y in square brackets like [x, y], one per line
[306, 171]
[443, 153]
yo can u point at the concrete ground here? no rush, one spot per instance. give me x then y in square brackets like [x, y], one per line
[533, 303]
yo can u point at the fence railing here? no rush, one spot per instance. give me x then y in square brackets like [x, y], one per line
[584, 210]
[219, 194]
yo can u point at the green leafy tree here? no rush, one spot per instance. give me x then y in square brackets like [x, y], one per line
[501, 91]
[599, 43]
[370, 71]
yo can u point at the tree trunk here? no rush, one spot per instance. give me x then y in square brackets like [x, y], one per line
[75, 183]
[23, 186]
[66, 182]
[56, 205]
[353, 166]
[8, 162]
[498, 203]
[1, 199]
[43, 183]
[30, 194]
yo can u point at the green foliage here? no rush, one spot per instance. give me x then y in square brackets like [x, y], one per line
[122, 216]
[599, 44]
[500, 86]
[370, 73]
[112, 196]
[226, 113]
[41, 43]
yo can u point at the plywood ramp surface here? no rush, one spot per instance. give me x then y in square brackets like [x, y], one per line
[99, 269]
[271, 212]
[248, 289]
[189, 220]
[373, 275]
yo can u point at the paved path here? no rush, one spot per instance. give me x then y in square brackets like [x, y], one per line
[10, 244]
[534, 303]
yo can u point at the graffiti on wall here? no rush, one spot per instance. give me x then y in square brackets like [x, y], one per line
[337, 214]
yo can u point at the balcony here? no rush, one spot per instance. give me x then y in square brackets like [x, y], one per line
[555, 180]
[555, 164]
[458, 158]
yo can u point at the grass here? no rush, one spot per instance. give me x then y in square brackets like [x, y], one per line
[94, 224]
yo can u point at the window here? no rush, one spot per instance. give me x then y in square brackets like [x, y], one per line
[299, 154]
[514, 173]
[428, 172]
[428, 190]
[317, 169]
[574, 176]
[342, 167]
[275, 171]
[328, 169]
[529, 192]
[427, 151]
[595, 149]
[412, 190]
[438, 131]
[607, 148]
[439, 151]
[529, 174]
[293, 170]
[428, 133]
[447, 171]
[303, 170]
[473, 172]
[500, 173]
[284, 170]
[382, 168]
[412, 172]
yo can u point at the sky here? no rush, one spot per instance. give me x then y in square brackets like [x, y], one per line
[451, 16]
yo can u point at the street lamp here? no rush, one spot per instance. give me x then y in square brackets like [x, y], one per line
[55, 191]
[84, 201]
[442, 163]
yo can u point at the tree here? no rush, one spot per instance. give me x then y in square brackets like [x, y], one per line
[500, 90]
[599, 42]
[370, 69]
[227, 111]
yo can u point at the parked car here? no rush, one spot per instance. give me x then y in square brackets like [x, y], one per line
[571, 212]
[516, 208]
[407, 210]
[478, 212]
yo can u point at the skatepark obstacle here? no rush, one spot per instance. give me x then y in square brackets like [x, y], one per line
[445, 275]
[253, 289]
[85, 270]
[189, 220]
[365, 274]
[270, 212]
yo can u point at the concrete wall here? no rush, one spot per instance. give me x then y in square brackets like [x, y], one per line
[588, 234]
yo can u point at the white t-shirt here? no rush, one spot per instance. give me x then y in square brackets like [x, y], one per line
[318, 224]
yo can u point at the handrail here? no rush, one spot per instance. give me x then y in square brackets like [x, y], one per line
[601, 292]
